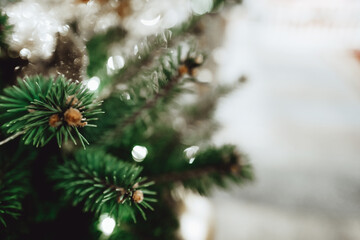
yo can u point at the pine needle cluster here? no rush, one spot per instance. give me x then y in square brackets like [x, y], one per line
[42, 109]
[14, 185]
[104, 184]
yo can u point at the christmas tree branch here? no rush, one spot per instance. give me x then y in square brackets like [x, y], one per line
[103, 183]
[214, 166]
[152, 90]
[42, 109]
[148, 50]
[12, 137]
[13, 185]
[148, 105]
[221, 169]
[147, 53]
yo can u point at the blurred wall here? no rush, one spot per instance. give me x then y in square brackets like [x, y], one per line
[297, 118]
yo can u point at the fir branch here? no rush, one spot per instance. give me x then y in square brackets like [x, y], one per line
[214, 166]
[13, 188]
[147, 51]
[221, 169]
[42, 109]
[103, 184]
[130, 120]
[175, 68]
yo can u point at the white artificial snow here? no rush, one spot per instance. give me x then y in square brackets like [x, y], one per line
[36, 22]
[34, 29]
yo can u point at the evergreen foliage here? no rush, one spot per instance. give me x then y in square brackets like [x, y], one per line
[103, 184]
[212, 167]
[11, 193]
[14, 183]
[142, 102]
[43, 108]
[149, 93]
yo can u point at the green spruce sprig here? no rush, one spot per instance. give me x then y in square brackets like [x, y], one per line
[13, 188]
[215, 166]
[150, 92]
[42, 109]
[104, 184]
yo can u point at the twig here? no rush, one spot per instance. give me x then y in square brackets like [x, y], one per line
[12, 137]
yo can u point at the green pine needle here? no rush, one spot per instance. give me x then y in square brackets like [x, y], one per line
[13, 187]
[103, 184]
[217, 166]
[46, 108]
[150, 92]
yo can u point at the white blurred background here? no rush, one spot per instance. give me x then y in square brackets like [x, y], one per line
[297, 118]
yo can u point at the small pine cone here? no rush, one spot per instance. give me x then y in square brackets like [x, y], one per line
[54, 120]
[138, 196]
[72, 99]
[183, 69]
[73, 117]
